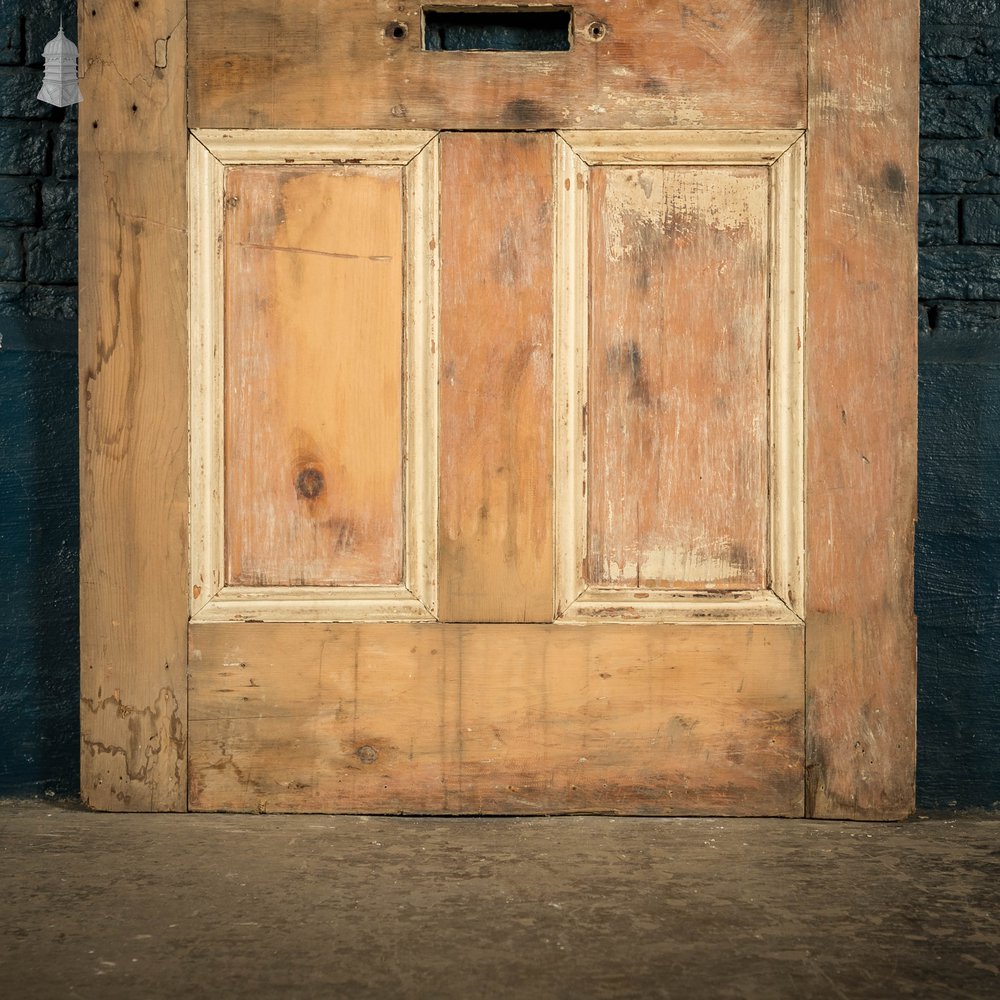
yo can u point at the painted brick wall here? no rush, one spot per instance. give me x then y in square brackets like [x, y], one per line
[958, 538]
[39, 650]
[958, 535]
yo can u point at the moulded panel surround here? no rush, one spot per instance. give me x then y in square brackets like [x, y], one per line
[679, 376]
[313, 379]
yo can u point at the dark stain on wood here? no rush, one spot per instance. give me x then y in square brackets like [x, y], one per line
[525, 113]
[625, 360]
[894, 179]
[832, 10]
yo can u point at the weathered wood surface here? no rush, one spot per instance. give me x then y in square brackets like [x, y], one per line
[314, 357]
[429, 718]
[133, 406]
[861, 422]
[495, 537]
[678, 401]
[285, 64]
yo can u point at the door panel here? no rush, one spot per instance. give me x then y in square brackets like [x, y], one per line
[313, 375]
[678, 467]
[658, 719]
[496, 377]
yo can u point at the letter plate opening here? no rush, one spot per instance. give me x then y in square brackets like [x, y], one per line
[498, 29]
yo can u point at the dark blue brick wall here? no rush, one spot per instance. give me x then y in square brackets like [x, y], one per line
[39, 537]
[958, 534]
[958, 537]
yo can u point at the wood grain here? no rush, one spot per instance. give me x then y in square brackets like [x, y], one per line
[133, 407]
[285, 64]
[677, 418]
[495, 538]
[387, 718]
[314, 355]
[861, 416]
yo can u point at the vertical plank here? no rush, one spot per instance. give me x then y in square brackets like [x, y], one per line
[861, 416]
[678, 467]
[313, 397]
[133, 406]
[495, 538]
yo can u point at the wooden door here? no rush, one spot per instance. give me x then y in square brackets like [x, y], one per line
[532, 430]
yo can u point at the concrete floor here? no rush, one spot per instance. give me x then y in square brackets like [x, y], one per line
[109, 906]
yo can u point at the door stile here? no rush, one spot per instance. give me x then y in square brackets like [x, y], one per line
[861, 395]
[133, 407]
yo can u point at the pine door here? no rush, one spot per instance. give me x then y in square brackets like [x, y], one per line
[547, 429]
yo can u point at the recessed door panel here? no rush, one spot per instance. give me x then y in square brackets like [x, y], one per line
[678, 428]
[313, 375]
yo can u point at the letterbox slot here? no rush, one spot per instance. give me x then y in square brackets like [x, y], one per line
[498, 29]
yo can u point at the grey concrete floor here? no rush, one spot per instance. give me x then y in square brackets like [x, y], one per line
[109, 906]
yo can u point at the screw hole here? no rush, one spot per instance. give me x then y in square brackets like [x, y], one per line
[397, 30]
[597, 30]
[135, 108]
[93, 124]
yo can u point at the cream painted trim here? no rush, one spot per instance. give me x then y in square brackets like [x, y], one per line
[206, 182]
[571, 326]
[644, 607]
[312, 145]
[787, 342]
[784, 153]
[678, 146]
[210, 152]
[422, 207]
[313, 604]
